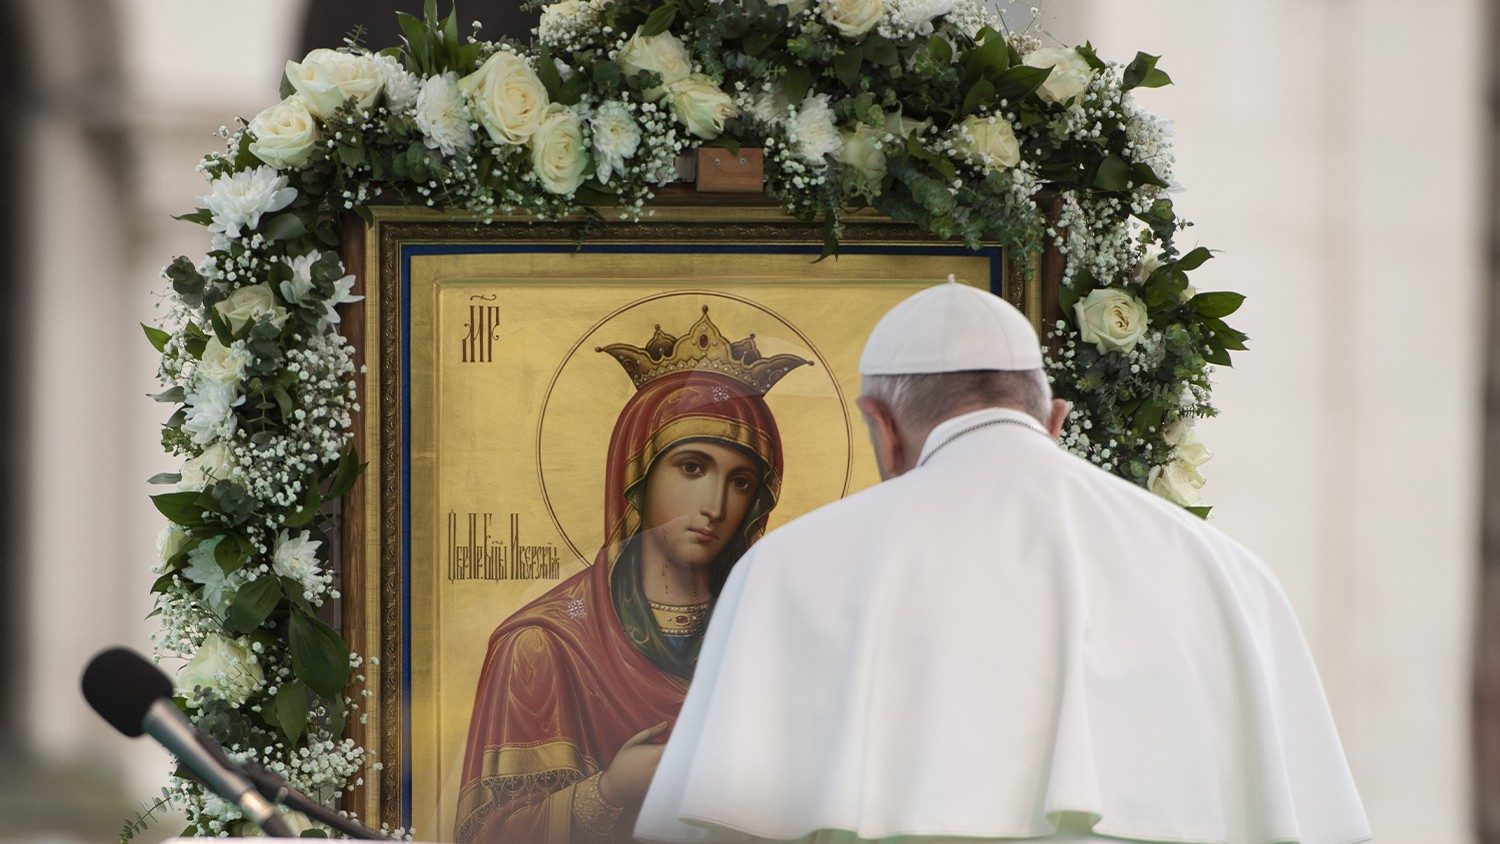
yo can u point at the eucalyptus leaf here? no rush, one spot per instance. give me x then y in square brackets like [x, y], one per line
[319, 656]
[165, 478]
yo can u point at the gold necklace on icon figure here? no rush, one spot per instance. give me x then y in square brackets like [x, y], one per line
[680, 619]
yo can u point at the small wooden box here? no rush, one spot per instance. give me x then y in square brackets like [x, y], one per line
[722, 171]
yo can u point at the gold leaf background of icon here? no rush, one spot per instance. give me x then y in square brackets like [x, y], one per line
[487, 436]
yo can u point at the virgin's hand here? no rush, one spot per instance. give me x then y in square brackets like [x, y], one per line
[625, 781]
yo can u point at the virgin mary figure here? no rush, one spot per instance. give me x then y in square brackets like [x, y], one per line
[578, 687]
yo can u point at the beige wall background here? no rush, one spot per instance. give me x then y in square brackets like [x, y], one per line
[1331, 150]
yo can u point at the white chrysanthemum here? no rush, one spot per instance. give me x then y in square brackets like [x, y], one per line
[341, 289]
[443, 115]
[296, 289]
[205, 571]
[811, 130]
[400, 85]
[296, 557]
[237, 200]
[616, 138]
[209, 411]
[768, 107]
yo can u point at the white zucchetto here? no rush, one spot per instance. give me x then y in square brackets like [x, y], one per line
[951, 328]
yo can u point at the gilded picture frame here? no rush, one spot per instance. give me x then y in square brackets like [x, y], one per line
[484, 403]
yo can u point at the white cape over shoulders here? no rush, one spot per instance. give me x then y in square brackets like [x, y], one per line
[988, 642]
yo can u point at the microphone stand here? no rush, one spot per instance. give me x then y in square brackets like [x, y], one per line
[276, 789]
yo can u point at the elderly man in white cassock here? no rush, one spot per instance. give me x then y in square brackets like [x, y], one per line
[1000, 641]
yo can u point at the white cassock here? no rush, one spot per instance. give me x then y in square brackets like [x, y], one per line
[998, 640]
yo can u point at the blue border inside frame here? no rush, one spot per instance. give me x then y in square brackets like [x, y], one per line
[997, 271]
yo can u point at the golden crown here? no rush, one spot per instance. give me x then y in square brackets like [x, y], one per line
[705, 348]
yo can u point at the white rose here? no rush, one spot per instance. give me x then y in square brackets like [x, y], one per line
[327, 78]
[1178, 482]
[811, 130]
[249, 303]
[1183, 435]
[987, 142]
[507, 97]
[224, 666]
[443, 116]
[559, 157]
[662, 54]
[1070, 73]
[616, 138]
[212, 465]
[700, 105]
[1111, 319]
[861, 150]
[284, 134]
[902, 126]
[852, 18]
[297, 822]
[170, 541]
[223, 364]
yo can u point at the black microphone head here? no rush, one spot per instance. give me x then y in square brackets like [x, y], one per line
[121, 685]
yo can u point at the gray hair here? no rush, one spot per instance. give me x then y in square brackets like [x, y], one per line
[924, 400]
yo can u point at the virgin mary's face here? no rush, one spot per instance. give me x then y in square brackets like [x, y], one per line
[696, 497]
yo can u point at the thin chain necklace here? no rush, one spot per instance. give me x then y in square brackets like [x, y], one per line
[971, 429]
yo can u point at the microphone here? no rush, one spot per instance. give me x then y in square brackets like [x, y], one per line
[135, 697]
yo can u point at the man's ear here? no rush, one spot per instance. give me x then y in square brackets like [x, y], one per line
[886, 439]
[1057, 417]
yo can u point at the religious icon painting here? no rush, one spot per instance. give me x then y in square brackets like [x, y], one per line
[572, 441]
